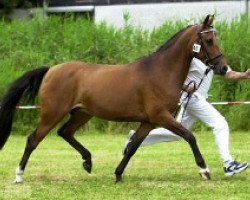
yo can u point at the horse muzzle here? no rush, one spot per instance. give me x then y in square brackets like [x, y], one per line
[224, 70]
[220, 70]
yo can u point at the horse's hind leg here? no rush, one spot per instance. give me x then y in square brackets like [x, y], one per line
[77, 119]
[138, 138]
[48, 121]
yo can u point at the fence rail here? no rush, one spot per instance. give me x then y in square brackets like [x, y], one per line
[32, 107]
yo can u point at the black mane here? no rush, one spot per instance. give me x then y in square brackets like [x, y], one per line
[167, 44]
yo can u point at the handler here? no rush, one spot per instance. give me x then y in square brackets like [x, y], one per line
[198, 108]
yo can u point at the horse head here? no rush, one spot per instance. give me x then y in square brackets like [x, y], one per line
[206, 46]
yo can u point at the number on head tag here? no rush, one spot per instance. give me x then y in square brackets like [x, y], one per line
[196, 48]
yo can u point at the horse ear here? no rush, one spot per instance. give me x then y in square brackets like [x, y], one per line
[208, 21]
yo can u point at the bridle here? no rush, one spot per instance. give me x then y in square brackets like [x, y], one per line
[210, 62]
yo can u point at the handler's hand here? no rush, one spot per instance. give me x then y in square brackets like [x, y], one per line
[191, 89]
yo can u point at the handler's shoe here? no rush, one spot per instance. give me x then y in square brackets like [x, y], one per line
[235, 167]
[129, 140]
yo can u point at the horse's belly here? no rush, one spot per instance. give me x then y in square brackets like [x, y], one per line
[115, 110]
[119, 114]
[123, 118]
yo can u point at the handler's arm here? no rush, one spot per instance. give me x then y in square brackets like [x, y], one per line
[236, 76]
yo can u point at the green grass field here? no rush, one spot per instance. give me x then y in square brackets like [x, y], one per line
[162, 171]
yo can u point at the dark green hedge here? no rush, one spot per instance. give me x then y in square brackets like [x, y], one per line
[25, 45]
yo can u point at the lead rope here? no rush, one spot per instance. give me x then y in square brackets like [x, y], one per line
[182, 109]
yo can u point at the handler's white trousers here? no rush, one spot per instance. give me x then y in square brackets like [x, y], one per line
[198, 109]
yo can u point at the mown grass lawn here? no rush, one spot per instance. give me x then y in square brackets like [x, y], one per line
[162, 171]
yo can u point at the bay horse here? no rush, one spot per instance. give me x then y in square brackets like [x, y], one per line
[146, 91]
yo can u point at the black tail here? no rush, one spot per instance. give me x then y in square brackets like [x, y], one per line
[26, 86]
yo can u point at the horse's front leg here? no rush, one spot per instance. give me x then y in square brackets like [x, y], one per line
[138, 138]
[166, 120]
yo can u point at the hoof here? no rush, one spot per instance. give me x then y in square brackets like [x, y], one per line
[205, 174]
[18, 180]
[19, 175]
[118, 178]
[87, 166]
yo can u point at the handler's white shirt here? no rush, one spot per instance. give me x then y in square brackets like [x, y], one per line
[196, 73]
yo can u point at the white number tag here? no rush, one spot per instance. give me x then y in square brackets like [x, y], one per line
[196, 48]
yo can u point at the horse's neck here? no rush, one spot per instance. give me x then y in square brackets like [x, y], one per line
[173, 62]
[176, 62]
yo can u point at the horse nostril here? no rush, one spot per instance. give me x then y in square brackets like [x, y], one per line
[224, 69]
